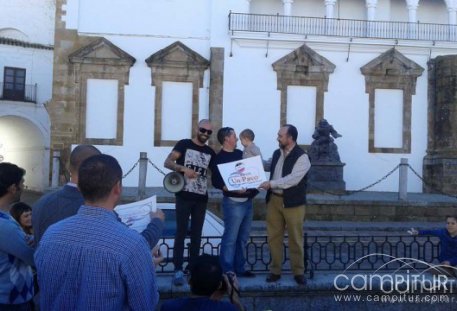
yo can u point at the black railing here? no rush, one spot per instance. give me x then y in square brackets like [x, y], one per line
[300, 25]
[24, 93]
[331, 253]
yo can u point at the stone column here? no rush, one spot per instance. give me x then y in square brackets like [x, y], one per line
[287, 5]
[330, 8]
[412, 17]
[330, 13]
[371, 9]
[452, 9]
[452, 18]
[412, 10]
[247, 6]
[371, 15]
[216, 90]
[440, 163]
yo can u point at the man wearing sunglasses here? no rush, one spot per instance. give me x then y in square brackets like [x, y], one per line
[192, 158]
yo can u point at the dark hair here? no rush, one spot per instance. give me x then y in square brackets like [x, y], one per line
[247, 133]
[292, 131]
[81, 153]
[222, 133]
[97, 176]
[10, 174]
[451, 216]
[205, 275]
[19, 208]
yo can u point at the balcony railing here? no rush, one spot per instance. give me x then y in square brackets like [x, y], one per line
[299, 25]
[25, 93]
[331, 253]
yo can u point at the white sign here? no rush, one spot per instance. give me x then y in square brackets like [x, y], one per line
[136, 214]
[243, 174]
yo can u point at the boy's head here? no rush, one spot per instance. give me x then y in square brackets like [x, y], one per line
[11, 180]
[451, 224]
[205, 275]
[247, 137]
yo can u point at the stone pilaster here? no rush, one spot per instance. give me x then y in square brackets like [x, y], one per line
[440, 163]
[216, 91]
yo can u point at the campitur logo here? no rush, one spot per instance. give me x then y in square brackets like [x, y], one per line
[433, 284]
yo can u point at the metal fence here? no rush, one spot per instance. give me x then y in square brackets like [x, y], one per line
[26, 93]
[300, 25]
[331, 253]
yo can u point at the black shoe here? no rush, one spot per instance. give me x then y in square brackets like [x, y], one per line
[246, 274]
[300, 279]
[273, 278]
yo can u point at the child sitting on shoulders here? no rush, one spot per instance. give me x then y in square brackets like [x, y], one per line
[247, 140]
[448, 241]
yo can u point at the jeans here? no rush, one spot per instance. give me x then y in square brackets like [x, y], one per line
[237, 224]
[196, 210]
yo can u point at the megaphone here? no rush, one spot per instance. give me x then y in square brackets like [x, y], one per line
[173, 182]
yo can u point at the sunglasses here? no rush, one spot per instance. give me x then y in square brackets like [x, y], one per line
[205, 131]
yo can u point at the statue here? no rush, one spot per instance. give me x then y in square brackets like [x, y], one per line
[323, 149]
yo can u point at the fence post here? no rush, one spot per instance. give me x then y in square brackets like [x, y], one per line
[142, 175]
[55, 169]
[403, 180]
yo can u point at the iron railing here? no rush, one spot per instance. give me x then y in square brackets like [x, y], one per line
[331, 253]
[26, 93]
[300, 25]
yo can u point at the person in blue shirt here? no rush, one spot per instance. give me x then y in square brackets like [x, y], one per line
[208, 286]
[237, 207]
[65, 202]
[448, 245]
[16, 256]
[92, 261]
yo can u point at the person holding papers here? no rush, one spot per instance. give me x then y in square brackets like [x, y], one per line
[237, 208]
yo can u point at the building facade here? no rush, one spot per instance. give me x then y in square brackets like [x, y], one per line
[135, 76]
[26, 61]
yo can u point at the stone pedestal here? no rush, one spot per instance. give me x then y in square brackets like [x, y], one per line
[440, 174]
[326, 176]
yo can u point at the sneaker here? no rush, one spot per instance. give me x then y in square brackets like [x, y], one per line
[178, 279]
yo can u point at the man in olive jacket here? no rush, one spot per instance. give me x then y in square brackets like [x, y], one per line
[286, 199]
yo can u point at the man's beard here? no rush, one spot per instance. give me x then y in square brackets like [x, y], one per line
[202, 138]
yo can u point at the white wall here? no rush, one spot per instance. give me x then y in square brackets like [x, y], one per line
[151, 18]
[22, 143]
[34, 18]
[250, 96]
[25, 127]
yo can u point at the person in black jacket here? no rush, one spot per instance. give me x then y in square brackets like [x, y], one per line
[237, 208]
[286, 199]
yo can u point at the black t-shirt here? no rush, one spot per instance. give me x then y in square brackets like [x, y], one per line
[199, 159]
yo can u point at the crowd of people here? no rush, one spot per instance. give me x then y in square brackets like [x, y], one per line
[85, 258]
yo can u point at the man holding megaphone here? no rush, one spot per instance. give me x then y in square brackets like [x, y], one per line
[192, 158]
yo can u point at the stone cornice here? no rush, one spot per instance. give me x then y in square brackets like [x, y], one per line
[24, 44]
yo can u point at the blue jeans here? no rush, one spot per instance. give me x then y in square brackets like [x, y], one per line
[237, 224]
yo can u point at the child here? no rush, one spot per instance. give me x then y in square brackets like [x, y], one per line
[448, 241]
[247, 140]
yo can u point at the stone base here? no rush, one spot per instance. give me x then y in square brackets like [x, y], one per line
[326, 176]
[440, 174]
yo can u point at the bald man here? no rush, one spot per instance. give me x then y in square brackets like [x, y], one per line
[192, 158]
[62, 203]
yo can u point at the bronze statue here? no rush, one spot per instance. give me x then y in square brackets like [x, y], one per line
[323, 149]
